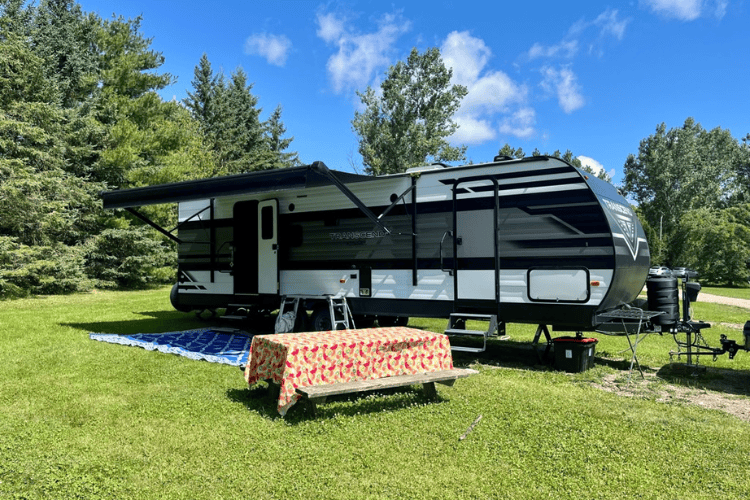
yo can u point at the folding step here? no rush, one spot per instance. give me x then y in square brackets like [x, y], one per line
[234, 317]
[457, 327]
[228, 330]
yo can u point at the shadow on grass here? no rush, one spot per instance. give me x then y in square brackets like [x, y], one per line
[153, 322]
[724, 380]
[258, 399]
[165, 321]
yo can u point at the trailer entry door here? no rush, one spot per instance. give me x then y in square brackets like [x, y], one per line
[268, 247]
[477, 266]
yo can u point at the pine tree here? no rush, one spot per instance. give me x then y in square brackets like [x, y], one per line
[277, 143]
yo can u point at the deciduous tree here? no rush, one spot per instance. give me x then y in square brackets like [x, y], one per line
[406, 124]
[683, 169]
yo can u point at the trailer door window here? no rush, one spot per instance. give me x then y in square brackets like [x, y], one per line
[266, 223]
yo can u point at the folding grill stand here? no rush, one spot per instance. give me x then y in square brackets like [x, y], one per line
[632, 314]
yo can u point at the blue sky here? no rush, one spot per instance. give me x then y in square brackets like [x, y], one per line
[592, 77]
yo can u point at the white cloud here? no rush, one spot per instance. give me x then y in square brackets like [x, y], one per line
[472, 130]
[520, 124]
[490, 93]
[274, 48]
[360, 55]
[687, 10]
[330, 28]
[608, 24]
[594, 165]
[566, 49]
[466, 55]
[564, 84]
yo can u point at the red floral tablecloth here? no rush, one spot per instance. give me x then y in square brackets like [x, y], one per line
[303, 359]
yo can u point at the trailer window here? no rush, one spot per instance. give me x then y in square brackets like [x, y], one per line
[266, 223]
[559, 285]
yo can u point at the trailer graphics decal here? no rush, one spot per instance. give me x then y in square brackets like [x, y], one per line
[625, 219]
[357, 235]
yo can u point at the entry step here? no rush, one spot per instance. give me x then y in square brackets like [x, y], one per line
[459, 348]
[223, 329]
[459, 331]
[457, 327]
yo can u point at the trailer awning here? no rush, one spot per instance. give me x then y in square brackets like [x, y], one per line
[313, 175]
[264, 181]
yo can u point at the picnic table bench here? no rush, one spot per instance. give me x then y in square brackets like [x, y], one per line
[315, 365]
[317, 394]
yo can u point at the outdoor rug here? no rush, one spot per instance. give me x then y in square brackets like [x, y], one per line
[205, 344]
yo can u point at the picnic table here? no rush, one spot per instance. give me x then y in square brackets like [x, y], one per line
[295, 361]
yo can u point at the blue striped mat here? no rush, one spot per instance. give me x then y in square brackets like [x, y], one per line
[202, 344]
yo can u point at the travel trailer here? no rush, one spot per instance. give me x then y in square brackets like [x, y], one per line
[532, 240]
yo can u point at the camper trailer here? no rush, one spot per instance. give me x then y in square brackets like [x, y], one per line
[530, 240]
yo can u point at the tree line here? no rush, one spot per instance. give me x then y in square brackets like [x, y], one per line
[80, 113]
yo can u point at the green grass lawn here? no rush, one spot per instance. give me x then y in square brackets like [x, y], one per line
[739, 293]
[86, 419]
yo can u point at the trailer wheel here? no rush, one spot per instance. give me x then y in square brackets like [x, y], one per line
[321, 319]
[174, 298]
[389, 321]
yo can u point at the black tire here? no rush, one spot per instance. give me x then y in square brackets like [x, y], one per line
[364, 321]
[390, 321]
[320, 321]
[174, 298]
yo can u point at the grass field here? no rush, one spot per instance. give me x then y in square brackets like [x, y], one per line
[738, 293]
[85, 419]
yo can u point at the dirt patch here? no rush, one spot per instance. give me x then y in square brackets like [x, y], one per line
[713, 388]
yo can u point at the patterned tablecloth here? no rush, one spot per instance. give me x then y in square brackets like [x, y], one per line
[303, 359]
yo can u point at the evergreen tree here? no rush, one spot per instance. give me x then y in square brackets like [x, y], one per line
[229, 119]
[200, 101]
[275, 131]
[507, 150]
[65, 39]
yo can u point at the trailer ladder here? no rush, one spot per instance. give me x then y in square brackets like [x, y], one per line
[457, 326]
[340, 305]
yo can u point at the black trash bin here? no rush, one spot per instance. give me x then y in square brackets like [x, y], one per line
[574, 354]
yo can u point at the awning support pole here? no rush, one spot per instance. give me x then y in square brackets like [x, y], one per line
[322, 169]
[154, 225]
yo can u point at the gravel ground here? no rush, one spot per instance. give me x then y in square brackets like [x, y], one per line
[718, 299]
